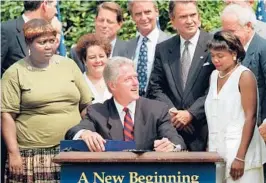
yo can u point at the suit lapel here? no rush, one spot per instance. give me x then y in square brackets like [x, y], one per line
[174, 63]
[197, 63]
[250, 52]
[132, 46]
[20, 36]
[139, 123]
[114, 123]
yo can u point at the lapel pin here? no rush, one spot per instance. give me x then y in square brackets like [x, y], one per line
[201, 57]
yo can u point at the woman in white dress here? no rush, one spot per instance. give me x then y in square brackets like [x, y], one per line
[231, 111]
[94, 52]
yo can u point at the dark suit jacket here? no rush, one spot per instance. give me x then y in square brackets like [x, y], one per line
[131, 45]
[151, 122]
[166, 85]
[13, 46]
[255, 60]
[119, 46]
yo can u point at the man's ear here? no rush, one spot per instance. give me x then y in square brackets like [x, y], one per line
[111, 86]
[44, 5]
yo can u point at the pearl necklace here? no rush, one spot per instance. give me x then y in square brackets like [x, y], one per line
[220, 76]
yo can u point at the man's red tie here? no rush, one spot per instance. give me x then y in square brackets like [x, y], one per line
[128, 126]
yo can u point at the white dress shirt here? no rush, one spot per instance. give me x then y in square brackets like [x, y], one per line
[121, 113]
[131, 107]
[191, 46]
[113, 46]
[151, 45]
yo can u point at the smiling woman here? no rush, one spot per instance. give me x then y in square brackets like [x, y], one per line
[94, 52]
[43, 96]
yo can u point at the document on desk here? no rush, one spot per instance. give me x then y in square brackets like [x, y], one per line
[110, 145]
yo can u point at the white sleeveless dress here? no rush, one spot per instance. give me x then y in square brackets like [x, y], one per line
[97, 97]
[225, 117]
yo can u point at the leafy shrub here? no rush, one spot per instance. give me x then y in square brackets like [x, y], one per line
[78, 17]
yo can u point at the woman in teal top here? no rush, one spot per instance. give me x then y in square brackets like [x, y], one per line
[43, 95]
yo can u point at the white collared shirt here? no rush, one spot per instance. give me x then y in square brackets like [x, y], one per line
[121, 113]
[151, 44]
[26, 19]
[113, 46]
[248, 43]
[191, 46]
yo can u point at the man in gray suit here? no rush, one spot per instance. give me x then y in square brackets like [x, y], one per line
[180, 76]
[127, 116]
[108, 21]
[144, 14]
[259, 27]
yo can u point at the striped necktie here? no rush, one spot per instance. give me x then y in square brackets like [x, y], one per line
[128, 126]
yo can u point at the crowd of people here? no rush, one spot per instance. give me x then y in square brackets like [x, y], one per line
[194, 91]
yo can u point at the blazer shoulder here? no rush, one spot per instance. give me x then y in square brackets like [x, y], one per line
[100, 108]
[153, 105]
[168, 42]
[11, 25]
[205, 36]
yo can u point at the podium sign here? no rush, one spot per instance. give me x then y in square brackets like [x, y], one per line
[128, 167]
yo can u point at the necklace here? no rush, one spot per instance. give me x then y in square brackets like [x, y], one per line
[220, 76]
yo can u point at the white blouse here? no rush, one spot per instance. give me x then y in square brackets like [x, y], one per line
[97, 97]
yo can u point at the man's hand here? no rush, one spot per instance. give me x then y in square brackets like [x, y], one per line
[262, 130]
[163, 145]
[181, 120]
[94, 141]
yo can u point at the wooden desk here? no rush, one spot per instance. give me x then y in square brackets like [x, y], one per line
[128, 167]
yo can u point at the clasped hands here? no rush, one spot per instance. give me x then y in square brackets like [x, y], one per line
[95, 142]
[181, 120]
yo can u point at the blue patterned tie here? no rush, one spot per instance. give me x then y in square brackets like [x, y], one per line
[142, 66]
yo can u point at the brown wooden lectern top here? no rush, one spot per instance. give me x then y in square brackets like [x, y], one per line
[114, 157]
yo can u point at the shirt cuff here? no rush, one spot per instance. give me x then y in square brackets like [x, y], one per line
[77, 136]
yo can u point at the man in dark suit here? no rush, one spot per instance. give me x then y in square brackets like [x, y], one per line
[127, 116]
[13, 46]
[241, 20]
[108, 21]
[144, 14]
[181, 73]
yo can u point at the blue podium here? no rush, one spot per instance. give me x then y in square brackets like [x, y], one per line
[129, 167]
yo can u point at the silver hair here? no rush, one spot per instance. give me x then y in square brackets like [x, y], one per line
[131, 2]
[111, 70]
[244, 14]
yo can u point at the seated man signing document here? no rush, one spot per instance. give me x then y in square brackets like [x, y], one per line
[126, 116]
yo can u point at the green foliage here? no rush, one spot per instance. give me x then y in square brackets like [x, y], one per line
[78, 17]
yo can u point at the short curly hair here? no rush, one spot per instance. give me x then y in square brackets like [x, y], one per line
[89, 40]
[36, 28]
